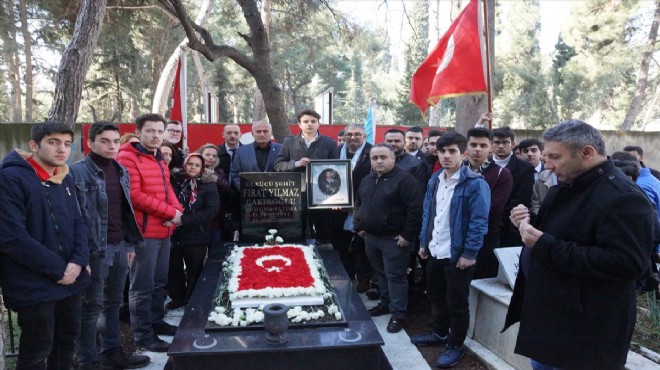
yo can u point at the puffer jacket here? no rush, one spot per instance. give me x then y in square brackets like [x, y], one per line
[197, 216]
[42, 231]
[152, 195]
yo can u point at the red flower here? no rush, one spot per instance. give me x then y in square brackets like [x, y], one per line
[274, 267]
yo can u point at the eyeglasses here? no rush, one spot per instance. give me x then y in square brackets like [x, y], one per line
[503, 143]
[173, 131]
[357, 135]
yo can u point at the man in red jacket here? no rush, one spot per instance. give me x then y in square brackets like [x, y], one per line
[157, 212]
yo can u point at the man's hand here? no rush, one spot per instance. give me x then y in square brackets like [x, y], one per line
[70, 274]
[361, 233]
[519, 213]
[422, 253]
[303, 162]
[130, 256]
[464, 263]
[528, 233]
[401, 242]
[483, 119]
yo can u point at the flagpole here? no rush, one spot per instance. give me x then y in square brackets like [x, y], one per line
[488, 79]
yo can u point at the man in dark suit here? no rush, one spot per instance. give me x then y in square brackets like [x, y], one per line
[349, 244]
[295, 155]
[532, 151]
[523, 181]
[230, 205]
[257, 157]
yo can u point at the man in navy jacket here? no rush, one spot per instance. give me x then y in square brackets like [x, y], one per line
[43, 248]
[257, 157]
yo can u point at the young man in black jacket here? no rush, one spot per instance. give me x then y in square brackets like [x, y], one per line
[389, 218]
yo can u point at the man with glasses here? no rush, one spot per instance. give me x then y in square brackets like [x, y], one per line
[523, 181]
[173, 135]
[348, 243]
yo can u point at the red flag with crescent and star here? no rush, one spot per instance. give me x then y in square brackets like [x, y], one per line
[274, 267]
[455, 66]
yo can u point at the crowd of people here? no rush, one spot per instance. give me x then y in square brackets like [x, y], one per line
[441, 203]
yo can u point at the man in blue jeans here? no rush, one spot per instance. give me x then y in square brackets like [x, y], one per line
[102, 188]
[454, 223]
[157, 212]
[43, 248]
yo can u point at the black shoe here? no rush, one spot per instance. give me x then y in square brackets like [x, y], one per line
[172, 305]
[379, 310]
[362, 286]
[154, 344]
[116, 358]
[163, 328]
[395, 325]
[373, 294]
[94, 365]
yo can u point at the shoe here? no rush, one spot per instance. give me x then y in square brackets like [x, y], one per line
[172, 305]
[163, 328]
[378, 310]
[430, 339]
[395, 325]
[362, 286]
[373, 294]
[116, 358]
[94, 365]
[154, 344]
[450, 356]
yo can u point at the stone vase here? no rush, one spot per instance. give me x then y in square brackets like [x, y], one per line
[276, 323]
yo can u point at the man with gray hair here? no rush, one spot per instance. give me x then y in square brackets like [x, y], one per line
[258, 157]
[591, 240]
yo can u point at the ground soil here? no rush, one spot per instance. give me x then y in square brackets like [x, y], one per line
[419, 316]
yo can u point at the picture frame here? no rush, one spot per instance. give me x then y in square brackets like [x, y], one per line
[329, 184]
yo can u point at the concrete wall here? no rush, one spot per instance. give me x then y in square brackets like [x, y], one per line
[617, 140]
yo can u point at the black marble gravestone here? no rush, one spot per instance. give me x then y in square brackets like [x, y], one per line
[356, 346]
[271, 200]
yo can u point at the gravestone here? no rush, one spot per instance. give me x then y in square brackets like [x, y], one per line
[271, 200]
[509, 259]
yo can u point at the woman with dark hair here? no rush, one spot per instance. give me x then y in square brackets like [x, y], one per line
[168, 151]
[212, 162]
[198, 194]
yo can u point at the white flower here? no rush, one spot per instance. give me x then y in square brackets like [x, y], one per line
[272, 231]
[269, 238]
[338, 315]
[279, 240]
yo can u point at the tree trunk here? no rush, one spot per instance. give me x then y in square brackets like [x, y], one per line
[10, 55]
[642, 80]
[75, 62]
[470, 107]
[169, 71]
[259, 112]
[27, 47]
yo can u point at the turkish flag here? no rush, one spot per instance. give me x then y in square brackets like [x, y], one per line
[175, 113]
[455, 66]
[274, 267]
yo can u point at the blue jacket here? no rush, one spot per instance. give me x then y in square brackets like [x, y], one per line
[245, 160]
[93, 201]
[42, 231]
[651, 187]
[469, 209]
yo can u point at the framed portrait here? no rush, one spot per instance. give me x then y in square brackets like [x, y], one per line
[329, 184]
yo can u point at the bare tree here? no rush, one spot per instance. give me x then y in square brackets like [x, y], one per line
[12, 60]
[75, 62]
[258, 65]
[643, 78]
[27, 47]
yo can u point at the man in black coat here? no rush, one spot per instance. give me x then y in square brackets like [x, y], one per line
[230, 204]
[295, 155]
[348, 243]
[504, 139]
[575, 297]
